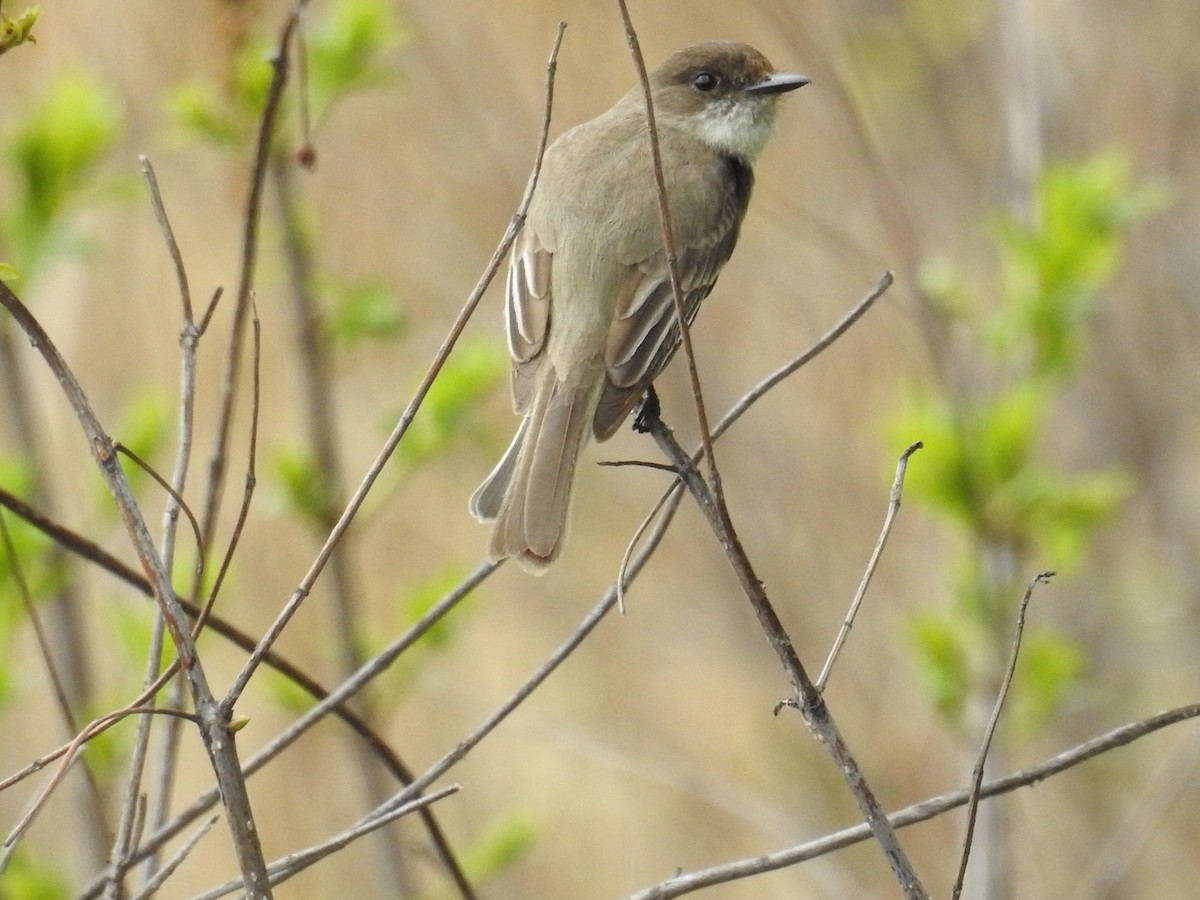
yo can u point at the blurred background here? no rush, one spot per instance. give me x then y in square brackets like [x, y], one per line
[1028, 170]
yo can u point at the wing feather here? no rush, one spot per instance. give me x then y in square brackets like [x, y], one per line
[527, 306]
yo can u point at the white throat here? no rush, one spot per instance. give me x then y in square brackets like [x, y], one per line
[740, 127]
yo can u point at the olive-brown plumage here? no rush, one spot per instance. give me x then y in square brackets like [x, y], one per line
[589, 313]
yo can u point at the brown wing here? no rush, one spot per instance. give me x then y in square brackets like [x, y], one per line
[527, 313]
[645, 333]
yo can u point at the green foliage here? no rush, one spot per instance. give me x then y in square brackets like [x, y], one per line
[1049, 666]
[18, 31]
[1056, 267]
[131, 628]
[502, 845]
[144, 426]
[54, 155]
[199, 111]
[288, 696]
[470, 374]
[9, 274]
[32, 550]
[364, 311]
[419, 601]
[982, 470]
[294, 469]
[345, 51]
[24, 879]
[941, 661]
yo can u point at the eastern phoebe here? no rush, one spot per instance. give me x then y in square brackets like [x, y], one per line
[589, 311]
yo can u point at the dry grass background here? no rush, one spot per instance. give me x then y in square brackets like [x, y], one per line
[653, 747]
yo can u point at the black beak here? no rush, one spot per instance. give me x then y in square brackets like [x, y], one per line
[778, 83]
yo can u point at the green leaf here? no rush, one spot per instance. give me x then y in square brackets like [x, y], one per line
[132, 628]
[419, 601]
[9, 274]
[1005, 430]
[366, 310]
[55, 151]
[471, 373]
[1049, 667]
[502, 845]
[941, 661]
[18, 31]
[344, 50]
[25, 879]
[1064, 511]
[144, 427]
[295, 469]
[1056, 266]
[285, 693]
[200, 113]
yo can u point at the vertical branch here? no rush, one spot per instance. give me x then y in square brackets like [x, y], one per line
[214, 721]
[218, 464]
[990, 730]
[189, 337]
[668, 236]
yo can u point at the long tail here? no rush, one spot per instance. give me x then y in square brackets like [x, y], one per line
[529, 491]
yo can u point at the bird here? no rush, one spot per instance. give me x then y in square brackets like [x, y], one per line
[590, 317]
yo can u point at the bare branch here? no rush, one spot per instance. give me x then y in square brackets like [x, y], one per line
[295, 863]
[889, 520]
[213, 720]
[668, 236]
[679, 885]
[989, 732]
[150, 888]
[805, 696]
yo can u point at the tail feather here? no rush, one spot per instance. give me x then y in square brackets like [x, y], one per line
[539, 470]
[486, 501]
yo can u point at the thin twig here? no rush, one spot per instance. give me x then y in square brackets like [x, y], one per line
[668, 236]
[151, 885]
[406, 418]
[989, 732]
[176, 500]
[72, 752]
[294, 863]
[189, 339]
[689, 882]
[306, 156]
[168, 233]
[217, 463]
[889, 520]
[332, 701]
[744, 404]
[213, 718]
[805, 697]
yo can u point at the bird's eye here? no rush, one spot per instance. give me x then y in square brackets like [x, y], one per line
[705, 81]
